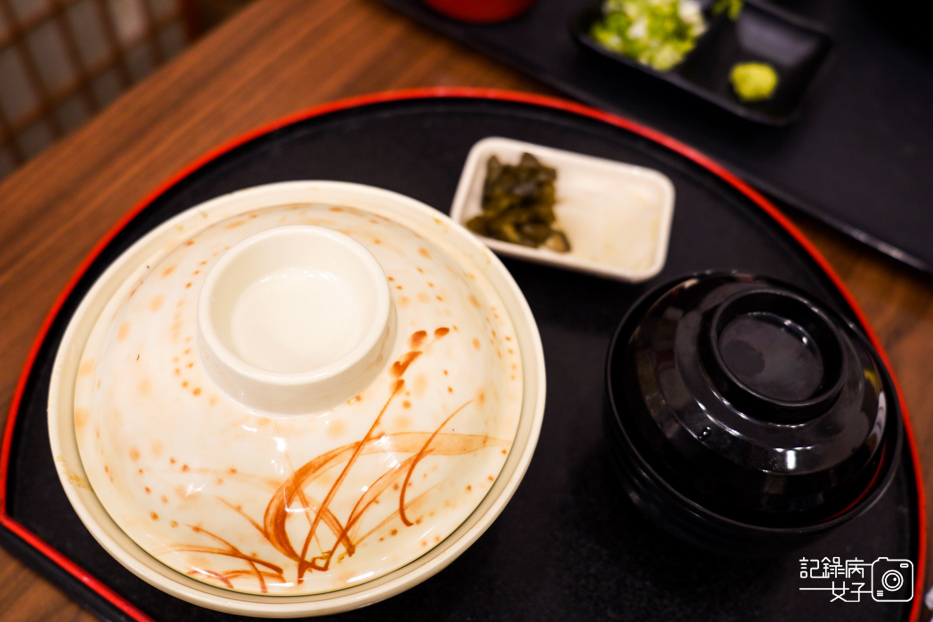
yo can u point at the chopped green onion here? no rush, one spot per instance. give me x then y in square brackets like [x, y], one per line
[657, 33]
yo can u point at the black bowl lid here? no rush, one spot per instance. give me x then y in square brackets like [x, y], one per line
[752, 399]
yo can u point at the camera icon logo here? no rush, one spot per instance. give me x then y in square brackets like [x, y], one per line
[892, 580]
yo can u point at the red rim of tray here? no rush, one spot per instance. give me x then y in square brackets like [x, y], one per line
[424, 93]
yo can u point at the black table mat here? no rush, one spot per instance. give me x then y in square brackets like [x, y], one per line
[858, 156]
[569, 545]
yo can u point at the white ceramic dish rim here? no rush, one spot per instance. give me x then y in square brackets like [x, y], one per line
[405, 211]
[509, 148]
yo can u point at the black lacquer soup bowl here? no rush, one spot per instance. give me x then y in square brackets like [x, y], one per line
[746, 417]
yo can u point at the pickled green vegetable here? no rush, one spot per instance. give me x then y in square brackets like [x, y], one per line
[518, 204]
[657, 33]
[753, 81]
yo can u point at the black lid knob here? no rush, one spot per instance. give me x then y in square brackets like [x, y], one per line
[773, 355]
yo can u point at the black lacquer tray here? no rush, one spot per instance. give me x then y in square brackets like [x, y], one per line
[569, 546]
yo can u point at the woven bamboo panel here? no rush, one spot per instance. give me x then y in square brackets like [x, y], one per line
[61, 61]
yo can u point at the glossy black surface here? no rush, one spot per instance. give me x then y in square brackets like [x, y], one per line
[569, 545]
[767, 459]
[796, 49]
[858, 156]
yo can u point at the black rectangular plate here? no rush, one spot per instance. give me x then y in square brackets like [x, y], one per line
[797, 49]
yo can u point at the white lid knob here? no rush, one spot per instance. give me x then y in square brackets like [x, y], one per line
[295, 319]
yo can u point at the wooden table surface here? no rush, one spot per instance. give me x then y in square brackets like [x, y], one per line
[274, 58]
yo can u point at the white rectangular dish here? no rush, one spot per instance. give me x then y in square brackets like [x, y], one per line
[616, 216]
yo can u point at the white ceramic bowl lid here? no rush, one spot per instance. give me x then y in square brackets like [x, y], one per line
[341, 493]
